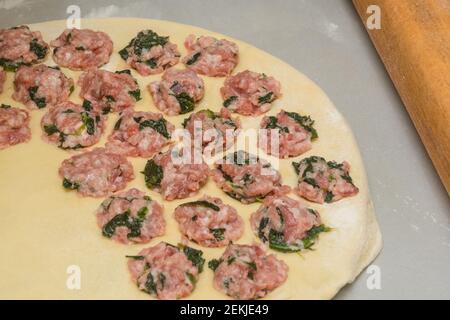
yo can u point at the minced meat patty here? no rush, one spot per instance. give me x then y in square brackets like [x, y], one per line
[218, 129]
[210, 56]
[140, 134]
[247, 272]
[14, 126]
[40, 86]
[286, 225]
[82, 49]
[247, 178]
[72, 126]
[209, 222]
[21, 46]
[131, 217]
[175, 179]
[250, 93]
[166, 271]
[109, 91]
[96, 173]
[177, 92]
[321, 181]
[150, 53]
[292, 137]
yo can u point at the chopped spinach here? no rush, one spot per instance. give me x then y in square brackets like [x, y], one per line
[218, 233]
[229, 101]
[329, 197]
[272, 123]
[153, 174]
[261, 229]
[50, 129]
[135, 257]
[39, 101]
[87, 105]
[106, 110]
[67, 184]
[193, 59]
[201, 203]
[124, 220]
[186, 102]
[144, 40]
[88, 122]
[214, 264]
[150, 285]
[126, 71]
[305, 121]
[136, 94]
[9, 65]
[5, 106]
[39, 50]
[195, 256]
[152, 63]
[313, 234]
[157, 125]
[267, 98]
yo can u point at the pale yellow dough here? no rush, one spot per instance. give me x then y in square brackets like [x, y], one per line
[44, 229]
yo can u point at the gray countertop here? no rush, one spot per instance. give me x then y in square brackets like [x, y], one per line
[325, 40]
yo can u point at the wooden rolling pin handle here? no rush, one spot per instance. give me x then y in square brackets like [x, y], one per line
[414, 45]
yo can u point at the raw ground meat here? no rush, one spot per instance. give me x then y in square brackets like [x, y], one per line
[250, 93]
[218, 130]
[14, 126]
[210, 56]
[247, 178]
[248, 272]
[71, 126]
[286, 225]
[96, 173]
[2, 79]
[166, 271]
[40, 86]
[176, 179]
[288, 134]
[109, 91]
[82, 49]
[131, 217]
[21, 46]
[140, 134]
[177, 92]
[149, 53]
[209, 222]
[321, 181]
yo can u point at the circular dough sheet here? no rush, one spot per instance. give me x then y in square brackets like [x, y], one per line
[44, 229]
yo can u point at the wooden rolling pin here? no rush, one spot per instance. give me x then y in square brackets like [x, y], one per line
[414, 44]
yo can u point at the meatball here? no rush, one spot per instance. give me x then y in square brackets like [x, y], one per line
[14, 126]
[150, 53]
[166, 271]
[209, 222]
[131, 217]
[210, 56]
[321, 181]
[71, 126]
[177, 92]
[250, 93]
[174, 176]
[286, 225]
[140, 134]
[218, 130]
[96, 173]
[40, 86]
[109, 91]
[82, 49]
[287, 134]
[247, 178]
[21, 46]
[247, 272]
